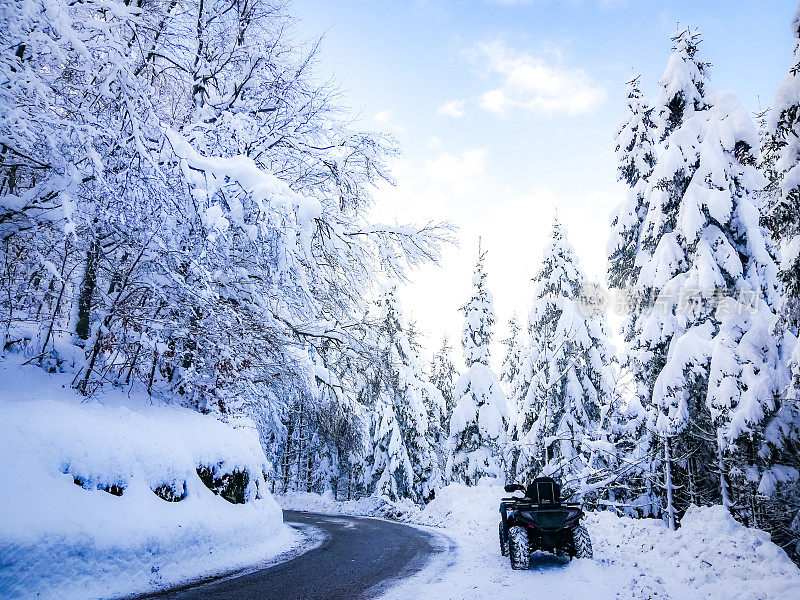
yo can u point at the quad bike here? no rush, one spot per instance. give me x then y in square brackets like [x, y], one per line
[541, 521]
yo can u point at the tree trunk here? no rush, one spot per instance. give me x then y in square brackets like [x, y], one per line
[88, 283]
[668, 483]
[724, 486]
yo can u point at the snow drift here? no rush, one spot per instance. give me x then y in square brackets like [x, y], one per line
[106, 499]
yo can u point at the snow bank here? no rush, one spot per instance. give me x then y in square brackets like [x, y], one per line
[711, 556]
[67, 533]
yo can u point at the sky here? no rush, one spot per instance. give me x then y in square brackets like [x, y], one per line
[505, 112]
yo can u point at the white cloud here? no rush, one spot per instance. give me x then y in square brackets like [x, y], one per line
[433, 142]
[429, 188]
[452, 109]
[387, 119]
[384, 117]
[530, 83]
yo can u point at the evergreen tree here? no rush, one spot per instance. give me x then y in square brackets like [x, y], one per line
[660, 255]
[779, 483]
[520, 413]
[512, 362]
[572, 373]
[635, 160]
[392, 472]
[406, 397]
[784, 211]
[479, 420]
[726, 263]
[683, 87]
[636, 157]
[702, 247]
[443, 374]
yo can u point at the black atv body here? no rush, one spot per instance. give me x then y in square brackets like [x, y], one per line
[541, 521]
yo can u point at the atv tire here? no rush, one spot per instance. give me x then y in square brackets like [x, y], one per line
[503, 542]
[582, 542]
[518, 548]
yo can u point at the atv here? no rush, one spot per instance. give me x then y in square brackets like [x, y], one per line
[541, 521]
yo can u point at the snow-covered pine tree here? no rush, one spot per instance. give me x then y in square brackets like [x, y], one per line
[516, 351]
[572, 373]
[718, 253]
[746, 376]
[635, 159]
[784, 212]
[392, 472]
[780, 485]
[405, 395]
[479, 421]
[435, 407]
[660, 256]
[746, 373]
[442, 376]
[512, 361]
[683, 87]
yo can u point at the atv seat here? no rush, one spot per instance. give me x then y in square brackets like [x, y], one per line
[544, 490]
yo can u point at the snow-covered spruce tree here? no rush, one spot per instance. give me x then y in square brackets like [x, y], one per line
[746, 375]
[635, 159]
[435, 406]
[392, 472]
[512, 361]
[720, 255]
[572, 374]
[479, 421]
[781, 484]
[510, 377]
[442, 376]
[403, 401]
[660, 257]
[784, 211]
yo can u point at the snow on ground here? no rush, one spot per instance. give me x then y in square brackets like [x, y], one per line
[711, 557]
[67, 541]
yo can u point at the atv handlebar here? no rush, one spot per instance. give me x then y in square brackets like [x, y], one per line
[514, 487]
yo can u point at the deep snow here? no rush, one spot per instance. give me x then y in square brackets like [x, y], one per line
[61, 540]
[711, 557]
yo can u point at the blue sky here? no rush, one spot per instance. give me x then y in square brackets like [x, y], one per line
[505, 110]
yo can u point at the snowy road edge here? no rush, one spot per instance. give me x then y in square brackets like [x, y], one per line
[436, 563]
[309, 538]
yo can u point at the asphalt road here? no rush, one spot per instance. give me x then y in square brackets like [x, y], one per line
[358, 559]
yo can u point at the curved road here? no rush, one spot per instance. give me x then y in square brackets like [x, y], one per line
[356, 560]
